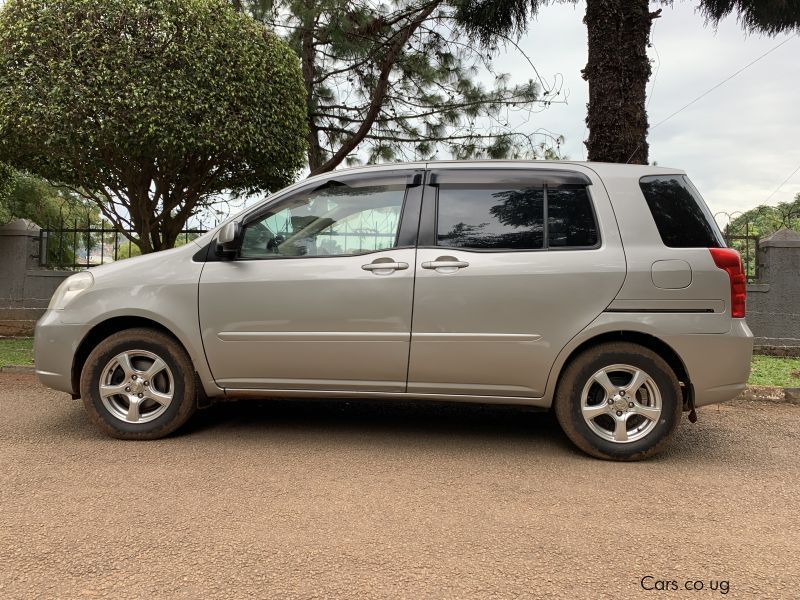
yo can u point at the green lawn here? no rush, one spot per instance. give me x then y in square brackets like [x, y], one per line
[767, 370]
[772, 370]
[16, 351]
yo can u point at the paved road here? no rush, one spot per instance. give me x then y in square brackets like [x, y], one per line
[362, 500]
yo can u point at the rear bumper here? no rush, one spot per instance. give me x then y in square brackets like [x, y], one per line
[54, 347]
[718, 364]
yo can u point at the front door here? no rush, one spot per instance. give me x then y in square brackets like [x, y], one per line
[511, 265]
[320, 295]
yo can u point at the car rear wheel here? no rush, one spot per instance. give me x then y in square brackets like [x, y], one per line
[139, 384]
[619, 401]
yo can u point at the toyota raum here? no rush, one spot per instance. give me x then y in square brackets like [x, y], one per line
[605, 292]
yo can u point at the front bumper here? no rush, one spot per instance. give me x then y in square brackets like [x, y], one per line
[54, 347]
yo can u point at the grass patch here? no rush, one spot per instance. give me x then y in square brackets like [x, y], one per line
[775, 370]
[16, 351]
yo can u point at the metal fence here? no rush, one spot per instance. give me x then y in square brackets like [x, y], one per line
[740, 233]
[747, 246]
[76, 246]
[742, 230]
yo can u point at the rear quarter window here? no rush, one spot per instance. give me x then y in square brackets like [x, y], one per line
[682, 219]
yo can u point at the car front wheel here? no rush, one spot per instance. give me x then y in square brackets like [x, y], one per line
[139, 384]
[619, 401]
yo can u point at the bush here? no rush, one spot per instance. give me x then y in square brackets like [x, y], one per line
[149, 108]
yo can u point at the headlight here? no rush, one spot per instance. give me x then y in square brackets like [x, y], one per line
[70, 288]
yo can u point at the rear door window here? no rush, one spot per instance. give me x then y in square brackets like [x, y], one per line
[490, 217]
[501, 215]
[681, 216]
[570, 218]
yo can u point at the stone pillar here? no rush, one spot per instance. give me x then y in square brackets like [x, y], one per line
[19, 241]
[773, 304]
[25, 288]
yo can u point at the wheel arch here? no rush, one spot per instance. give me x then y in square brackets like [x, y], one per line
[108, 327]
[646, 340]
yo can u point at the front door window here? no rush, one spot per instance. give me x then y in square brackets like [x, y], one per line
[334, 221]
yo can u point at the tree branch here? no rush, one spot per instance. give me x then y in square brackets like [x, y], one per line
[378, 94]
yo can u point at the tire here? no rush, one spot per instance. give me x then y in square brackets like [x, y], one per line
[589, 407]
[132, 407]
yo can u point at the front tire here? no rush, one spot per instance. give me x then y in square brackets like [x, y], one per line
[139, 384]
[619, 401]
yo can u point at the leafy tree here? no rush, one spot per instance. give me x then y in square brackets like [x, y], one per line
[6, 181]
[764, 220]
[743, 229]
[387, 81]
[150, 109]
[33, 198]
[618, 68]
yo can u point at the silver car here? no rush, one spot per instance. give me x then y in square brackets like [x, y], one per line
[602, 291]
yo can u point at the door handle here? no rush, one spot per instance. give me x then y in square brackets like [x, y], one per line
[377, 267]
[445, 264]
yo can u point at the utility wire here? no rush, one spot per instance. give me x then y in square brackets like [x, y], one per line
[724, 81]
[708, 91]
[777, 189]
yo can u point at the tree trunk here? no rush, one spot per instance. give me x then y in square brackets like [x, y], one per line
[170, 230]
[617, 71]
[307, 62]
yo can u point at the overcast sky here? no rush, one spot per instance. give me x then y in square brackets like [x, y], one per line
[737, 144]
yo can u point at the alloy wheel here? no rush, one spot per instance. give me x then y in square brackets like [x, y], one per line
[136, 386]
[621, 403]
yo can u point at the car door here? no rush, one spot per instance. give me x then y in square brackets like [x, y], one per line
[319, 295]
[511, 264]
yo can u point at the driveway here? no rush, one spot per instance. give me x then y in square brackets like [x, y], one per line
[318, 499]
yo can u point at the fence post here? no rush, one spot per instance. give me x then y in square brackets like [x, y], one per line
[74, 241]
[747, 242]
[61, 241]
[88, 240]
[43, 247]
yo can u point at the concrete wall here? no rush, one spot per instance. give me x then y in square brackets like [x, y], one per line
[25, 288]
[773, 302]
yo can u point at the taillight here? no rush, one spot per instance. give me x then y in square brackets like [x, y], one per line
[729, 261]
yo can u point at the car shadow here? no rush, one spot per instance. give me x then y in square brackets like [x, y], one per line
[410, 422]
[399, 423]
[367, 417]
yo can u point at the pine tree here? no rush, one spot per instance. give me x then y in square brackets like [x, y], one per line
[398, 81]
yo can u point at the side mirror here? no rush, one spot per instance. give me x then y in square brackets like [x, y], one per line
[229, 240]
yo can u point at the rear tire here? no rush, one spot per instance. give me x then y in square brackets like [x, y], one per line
[139, 384]
[619, 401]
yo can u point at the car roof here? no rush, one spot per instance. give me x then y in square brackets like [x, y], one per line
[601, 168]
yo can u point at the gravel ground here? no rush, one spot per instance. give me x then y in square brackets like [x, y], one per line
[297, 499]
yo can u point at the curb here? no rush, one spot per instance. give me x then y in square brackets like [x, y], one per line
[763, 393]
[17, 369]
